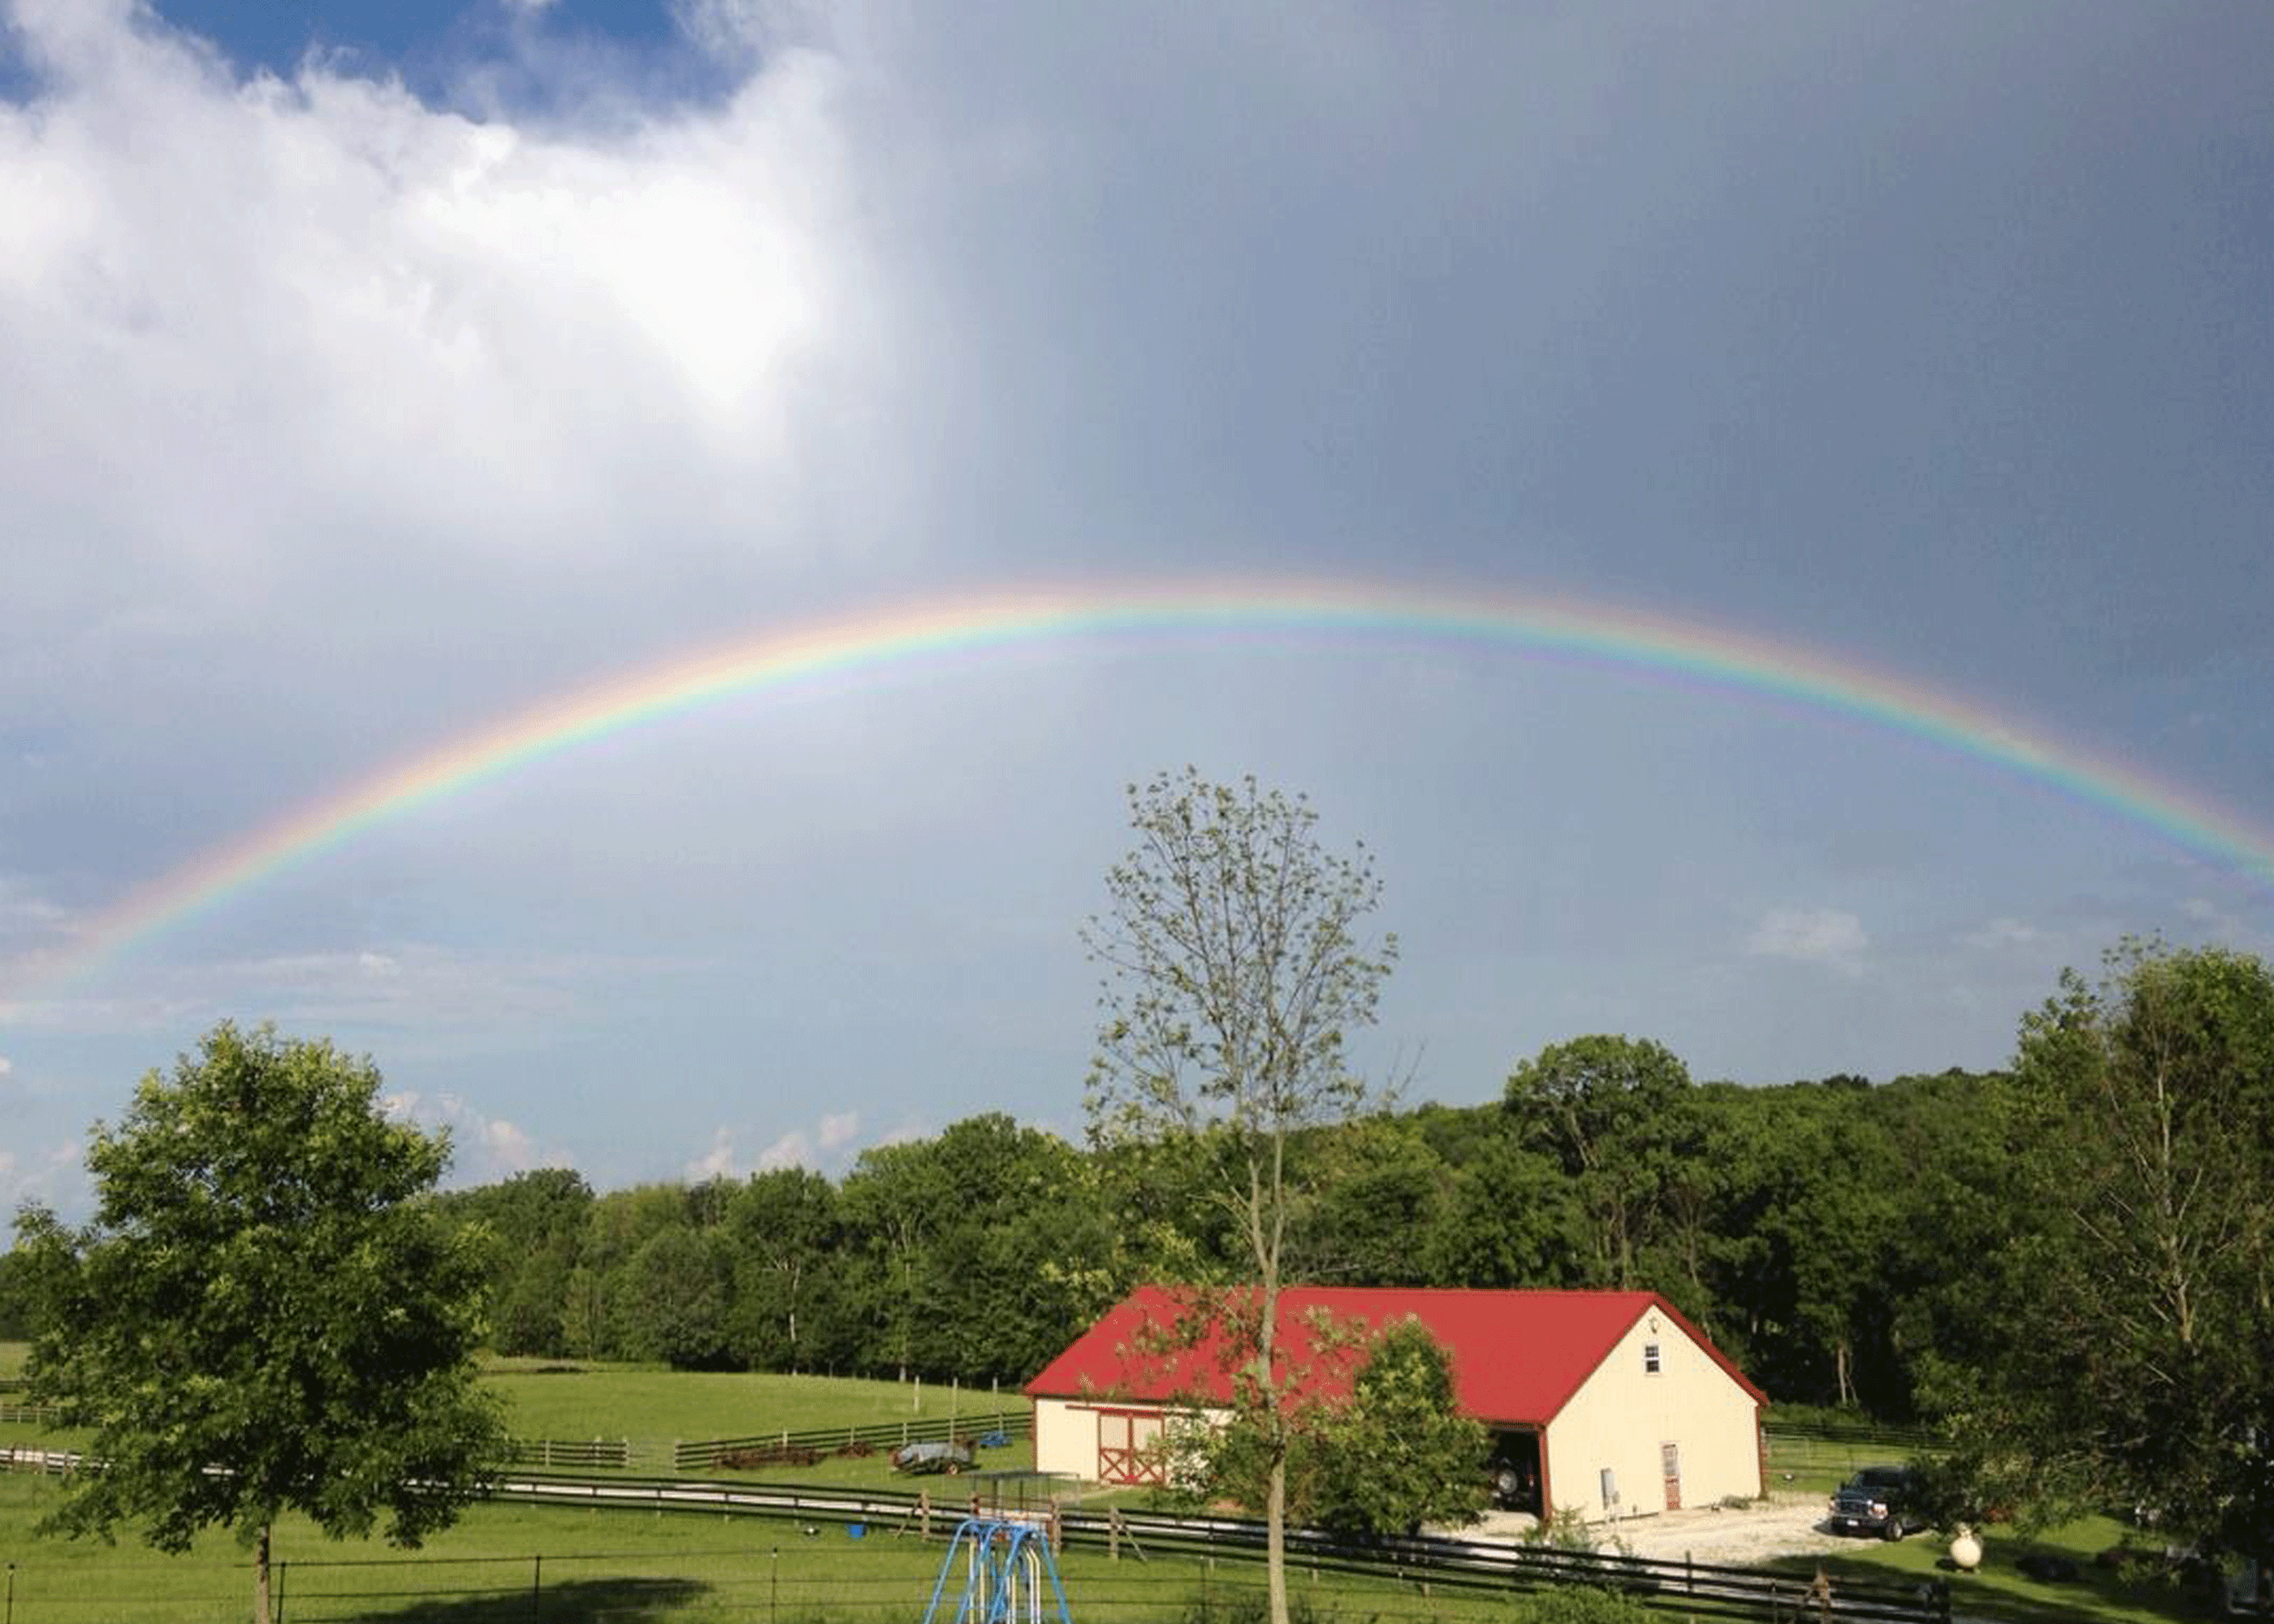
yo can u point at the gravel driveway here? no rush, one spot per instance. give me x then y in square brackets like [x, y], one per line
[1743, 1538]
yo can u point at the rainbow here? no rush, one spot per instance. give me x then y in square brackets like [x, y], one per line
[934, 628]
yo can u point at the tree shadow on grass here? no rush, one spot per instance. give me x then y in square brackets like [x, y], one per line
[577, 1601]
[2002, 1591]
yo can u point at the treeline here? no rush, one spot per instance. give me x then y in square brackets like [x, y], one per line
[1821, 1232]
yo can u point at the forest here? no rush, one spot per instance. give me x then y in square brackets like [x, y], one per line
[2065, 1267]
[1820, 1231]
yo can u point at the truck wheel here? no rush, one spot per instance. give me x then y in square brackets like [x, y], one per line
[1892, 1529]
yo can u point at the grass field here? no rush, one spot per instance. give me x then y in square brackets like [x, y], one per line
[641, 1568]
[517, 1564]
[658, 1407]
[2000, 1590]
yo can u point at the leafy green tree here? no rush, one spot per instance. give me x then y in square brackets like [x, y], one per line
[983, 1252]
[20, 1296]
[678, 1286]
[1380, 1194]
[1508, 1215]
[535, 1222]
[785, 1225]
[603, 1317]
[2136, 1367]
[267, 1313]
[1235, 969]
[894, 1201]
[1402, 1455]
[1614, 1110]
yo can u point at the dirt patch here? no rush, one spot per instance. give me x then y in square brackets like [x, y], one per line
[1743, 1536]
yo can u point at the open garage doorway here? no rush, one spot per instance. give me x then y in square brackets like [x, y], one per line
[1514, 1470]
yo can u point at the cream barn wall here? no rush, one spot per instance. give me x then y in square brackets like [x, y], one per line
[1623, 1417]
[1067, 1430]
[1065, 1438]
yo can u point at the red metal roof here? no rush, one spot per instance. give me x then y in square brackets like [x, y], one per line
[1517, 1357]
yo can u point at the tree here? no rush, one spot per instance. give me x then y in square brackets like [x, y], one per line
[267, 1312]
[1614, 1110]
[785, 1225]
[1235, 968]
[1402, 1454]
[1381, 1205]
[679, 1287]
[536, 1222]
[2135, 1369]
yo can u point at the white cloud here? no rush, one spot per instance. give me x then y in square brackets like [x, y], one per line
[6, 1065]
[485, 1148]
[717, 1162]
[275, 345]
[820, 1147]
[1827, 936]
[794, 1148]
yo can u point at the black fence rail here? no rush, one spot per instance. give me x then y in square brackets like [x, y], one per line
[1429, 1565]
[1447, 1566]
[34, 1415]
[767, 1447]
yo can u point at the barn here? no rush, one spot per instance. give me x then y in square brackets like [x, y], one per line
[1607, 1402]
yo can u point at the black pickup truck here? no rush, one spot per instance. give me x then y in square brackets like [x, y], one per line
[1879, 1499]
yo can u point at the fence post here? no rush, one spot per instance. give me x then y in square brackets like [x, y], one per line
[536, 1584]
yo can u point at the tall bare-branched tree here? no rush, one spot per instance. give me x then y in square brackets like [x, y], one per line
[1236, 964]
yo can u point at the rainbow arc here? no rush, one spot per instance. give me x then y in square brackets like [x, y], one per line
[790, 657]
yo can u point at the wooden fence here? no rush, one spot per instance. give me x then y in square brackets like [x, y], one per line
[564, 1453]
[1837, 1452]
[1430, 1565]
[706, 1455]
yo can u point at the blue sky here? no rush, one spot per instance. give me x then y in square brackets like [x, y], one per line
[375, 372]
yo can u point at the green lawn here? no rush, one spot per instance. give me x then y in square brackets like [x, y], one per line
[505, 1563]
[641, 1567]
[2000, 1590]
[572, 1400]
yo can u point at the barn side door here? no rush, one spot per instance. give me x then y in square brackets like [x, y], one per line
[1669, 1457]
[1127, 1448]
